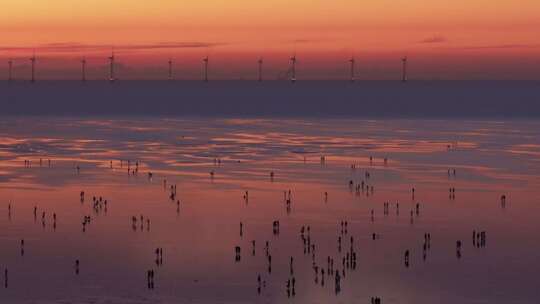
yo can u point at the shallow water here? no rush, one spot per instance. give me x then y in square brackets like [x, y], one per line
[491, 158]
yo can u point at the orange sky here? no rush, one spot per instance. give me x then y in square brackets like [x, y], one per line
[443, 39]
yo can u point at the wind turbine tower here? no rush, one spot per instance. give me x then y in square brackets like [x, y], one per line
[404, 69]
[10, 69]
[260, 62]
[352, 61]
[170, 69]
[83, 67]
[33, 63]
[205, 61]
[111, 67]
[293, 69]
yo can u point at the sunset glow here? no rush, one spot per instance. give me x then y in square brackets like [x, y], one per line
[460, 39]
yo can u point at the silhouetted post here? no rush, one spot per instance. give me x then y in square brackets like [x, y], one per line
[83, 71]
[293, 69]
[111, 67]
[205, 61]
[33, 64]
[352, 61]
[170, 69]
[260, 69]
[404, 69]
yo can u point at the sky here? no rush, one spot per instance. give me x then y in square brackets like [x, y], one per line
[459, 39]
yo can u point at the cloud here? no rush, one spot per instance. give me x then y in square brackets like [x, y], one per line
[501, 46]
[70, 47]
[301, 41]
[434, 39]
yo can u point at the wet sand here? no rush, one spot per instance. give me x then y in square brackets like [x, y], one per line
[491, 158]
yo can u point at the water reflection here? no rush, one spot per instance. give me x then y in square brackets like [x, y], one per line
[261, 210]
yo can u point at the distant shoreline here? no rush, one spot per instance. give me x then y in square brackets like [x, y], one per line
[244, 98]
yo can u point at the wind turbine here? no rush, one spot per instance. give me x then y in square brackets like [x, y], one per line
[205, 61]
[293, 68]
[111, 67]
[404, 69]
[170, 62]
[83, 67]
[352, 61]
[33, 63]
[260, 62]
[10, 68]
